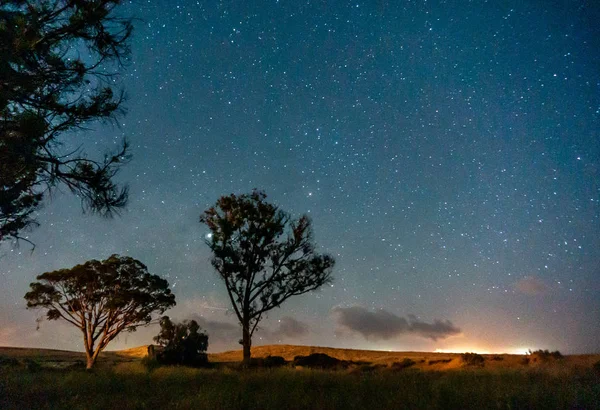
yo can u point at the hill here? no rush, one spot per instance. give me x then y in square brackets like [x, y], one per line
[422, 360]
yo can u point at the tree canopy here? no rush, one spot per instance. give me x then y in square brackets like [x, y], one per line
[182, 343]
[101, 298]
[263, 256]
[58, 62]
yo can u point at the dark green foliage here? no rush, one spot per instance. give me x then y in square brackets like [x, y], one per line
[267, 362]
[319, 361]
[274, 361]
[263, 256]
[181, 343]
[404, 364]
[101, 298]
[48, 89]
[472, 359]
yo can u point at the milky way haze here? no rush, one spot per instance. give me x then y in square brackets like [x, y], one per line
[447, 154]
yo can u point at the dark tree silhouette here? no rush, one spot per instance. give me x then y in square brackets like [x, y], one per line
[263, 256]
[101, 298]
[182, 343]
[58, 60]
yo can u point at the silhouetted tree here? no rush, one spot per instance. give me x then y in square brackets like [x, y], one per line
[263, 256]
[58, 59]
[101, 298]
[182, 343]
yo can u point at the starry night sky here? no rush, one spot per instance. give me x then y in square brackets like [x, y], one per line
[447, 152]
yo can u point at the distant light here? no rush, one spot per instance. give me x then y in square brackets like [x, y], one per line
[462, 350]
[209, 236]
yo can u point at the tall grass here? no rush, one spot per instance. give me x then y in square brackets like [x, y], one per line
[132, 386]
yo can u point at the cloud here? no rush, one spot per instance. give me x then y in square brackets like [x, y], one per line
[531, 285]
[383, 325]
[225, 334]
[220, 334]
[290, 328]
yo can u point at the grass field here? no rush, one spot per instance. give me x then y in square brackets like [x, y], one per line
[122, 381]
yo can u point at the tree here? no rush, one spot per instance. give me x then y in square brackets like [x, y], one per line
[58, 60]
[182, 343]
[101, 298]
[263, 256]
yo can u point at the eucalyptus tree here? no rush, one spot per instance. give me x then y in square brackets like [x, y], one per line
[101, 298]
[263, 256]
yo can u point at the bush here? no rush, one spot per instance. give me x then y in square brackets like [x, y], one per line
[319, 360]
[497, 358]
[472, 359]
[181, 343]
[596, 367]
[8, 361]
[367, 368]
[545, 355]
[267, 362]
[404, 364]
[274, 361]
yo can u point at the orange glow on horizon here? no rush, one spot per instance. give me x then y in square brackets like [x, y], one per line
[517, 350]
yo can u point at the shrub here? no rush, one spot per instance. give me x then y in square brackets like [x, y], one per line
[266, 362]
[181, 343]
[404, 364]
[525, 361]
[319, 360]
[274, 361]
[472, 359]
[545, 355]
[596, 367]
[367, 368]
[497, 358]
[8, 361]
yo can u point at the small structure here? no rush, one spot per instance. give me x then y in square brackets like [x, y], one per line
[151, 352]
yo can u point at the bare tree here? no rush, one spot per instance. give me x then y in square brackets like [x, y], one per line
[263, 256]
[101, 298]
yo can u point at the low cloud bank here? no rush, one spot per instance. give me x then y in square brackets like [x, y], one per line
[290, 328]
[383, 325]
[225, 335]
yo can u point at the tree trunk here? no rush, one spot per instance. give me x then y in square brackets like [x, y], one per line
[90, 361]
[246, 342]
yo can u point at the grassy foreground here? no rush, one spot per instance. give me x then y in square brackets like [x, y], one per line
[132, 386]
